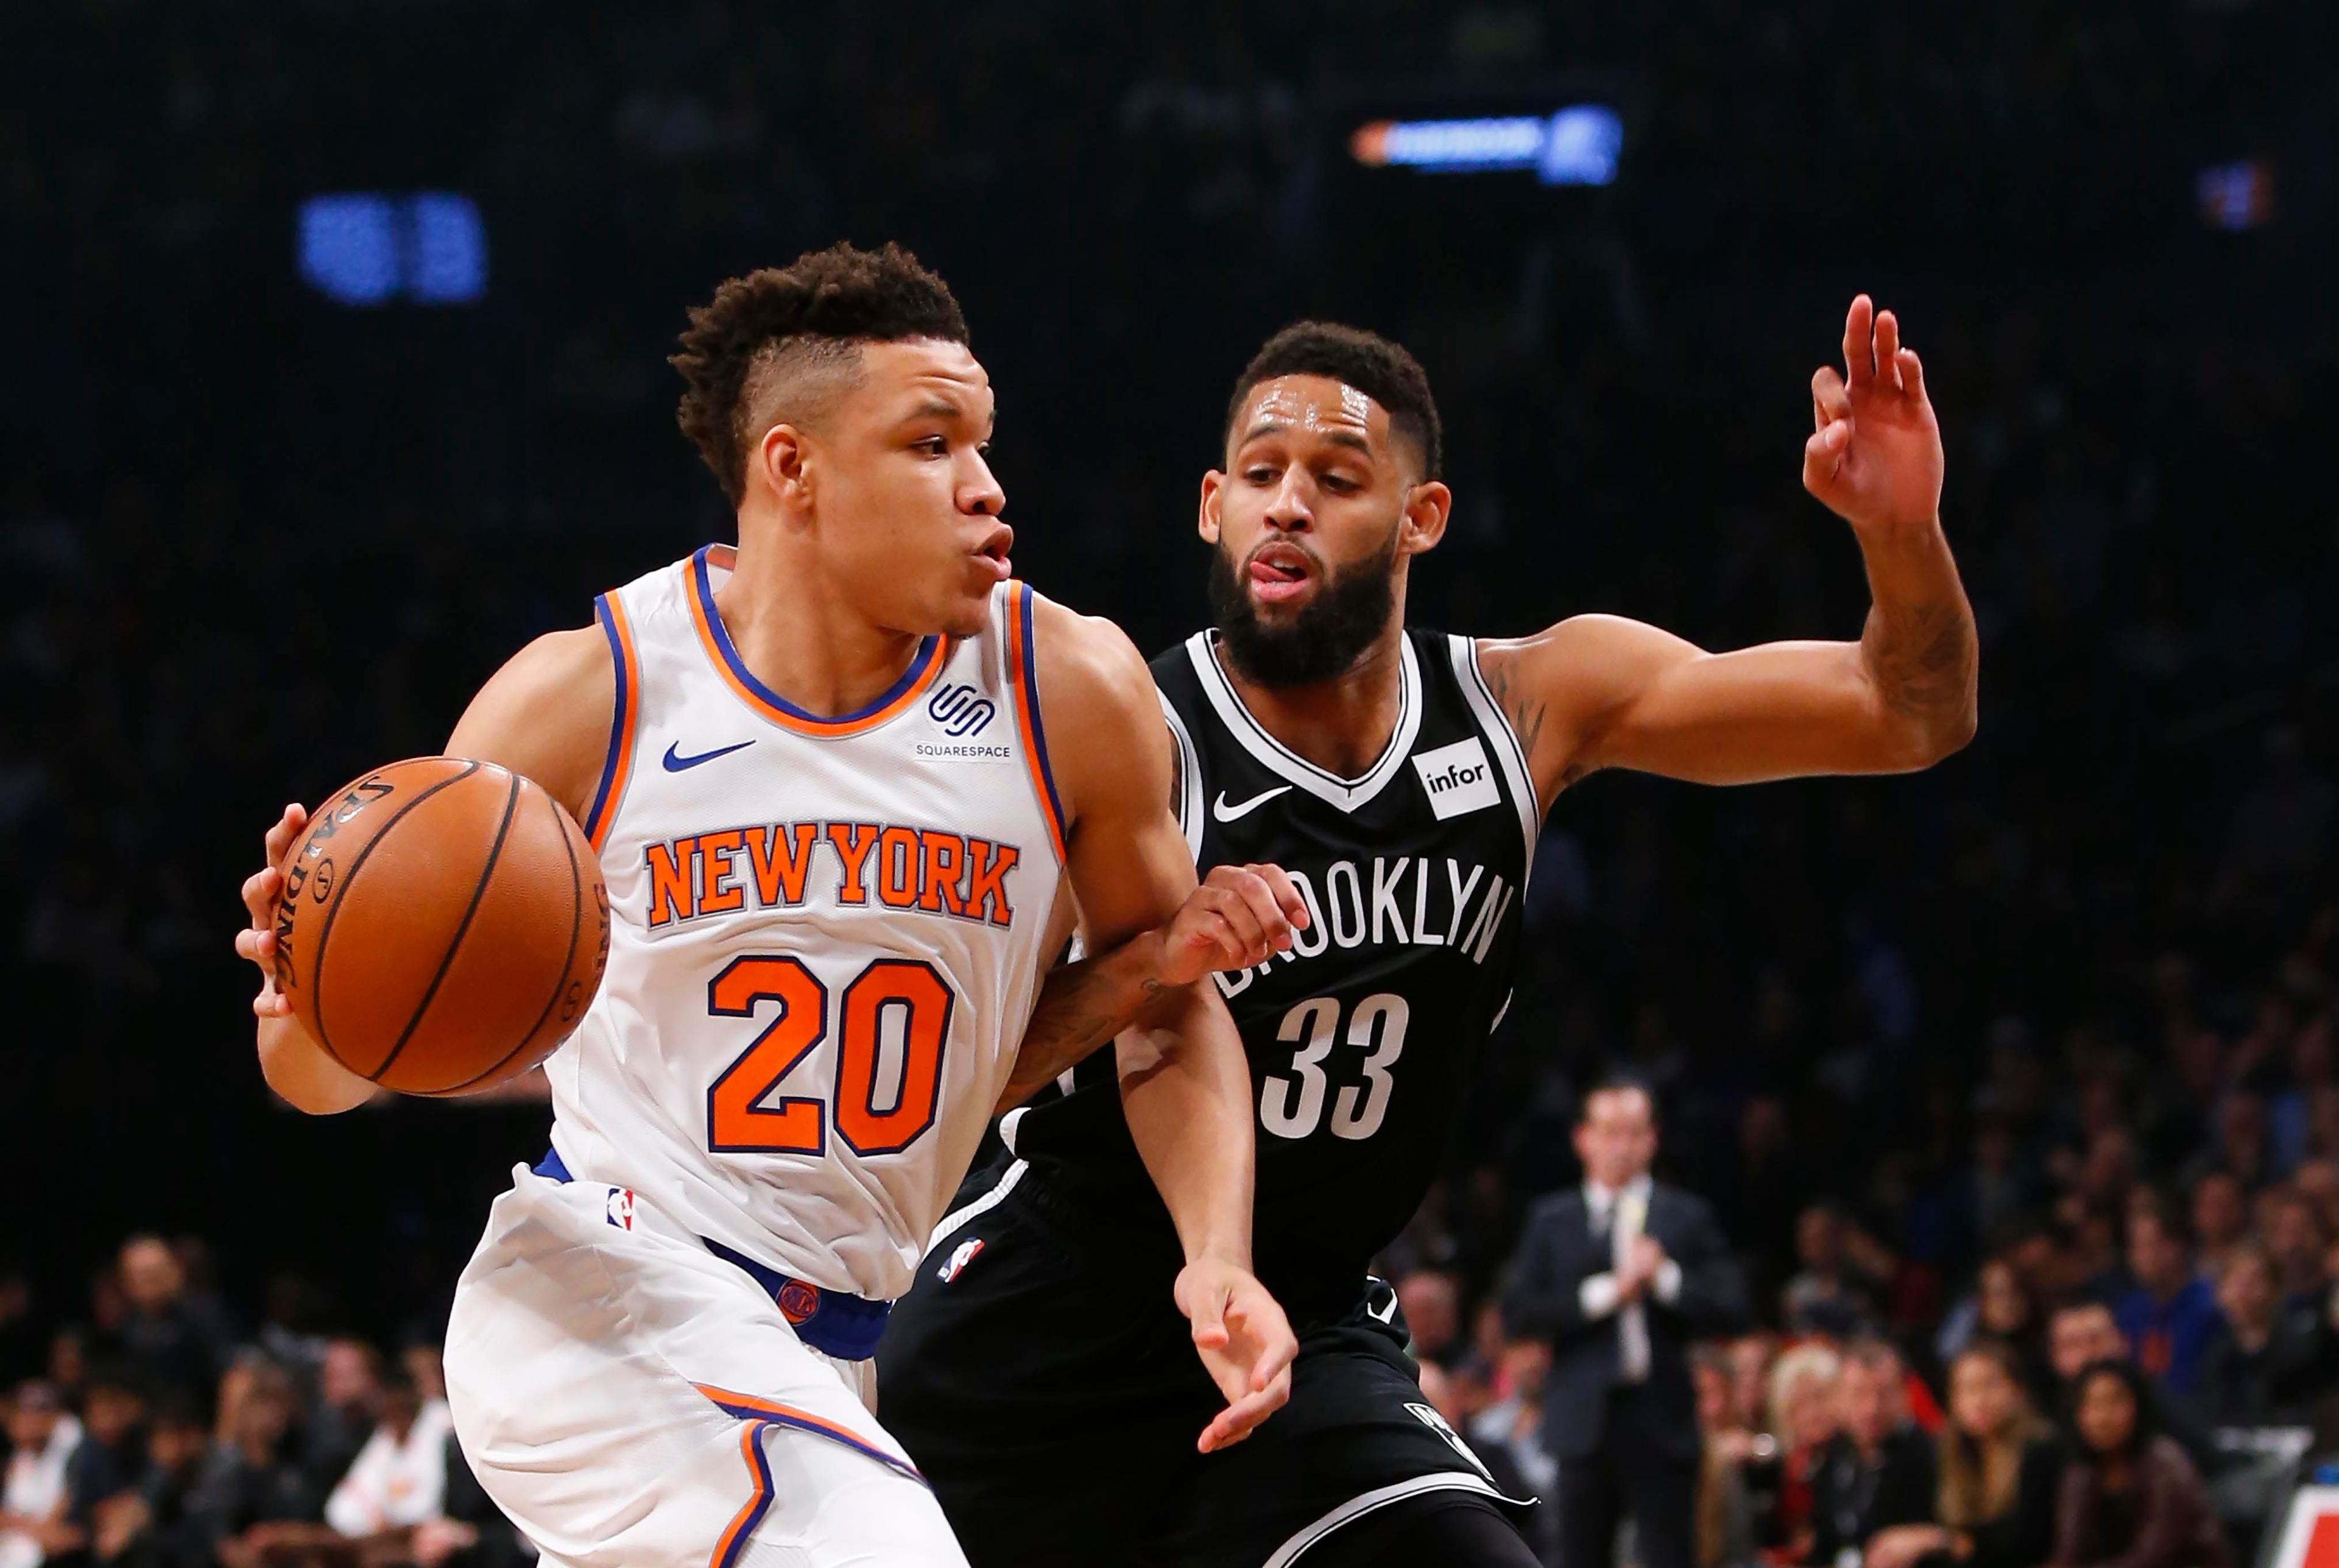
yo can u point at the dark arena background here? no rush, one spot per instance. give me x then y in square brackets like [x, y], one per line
[332, 347]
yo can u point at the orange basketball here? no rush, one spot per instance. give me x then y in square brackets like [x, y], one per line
[443, 926]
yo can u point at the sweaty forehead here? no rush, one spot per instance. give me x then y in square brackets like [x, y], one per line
[1313, 405]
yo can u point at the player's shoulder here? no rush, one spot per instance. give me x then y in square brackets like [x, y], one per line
[1089, 660]
[546, 714]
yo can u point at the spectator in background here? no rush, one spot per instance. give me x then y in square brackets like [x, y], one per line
[1723, 1534]
[42, 1437]
[2081, 1332]
[178, 1341]
[252, 1486]
[1999, 1467]
[159, 1525]
[1877, 1471]
[1802, 1410]
[349, 1385]
[2170, 1316]
[1829, 1294]
[2298, 1245]
[1431, 1300]
[398, 1479]
[2130, 1498]
[2252, 1364]
[111, 1458]
[1620, 1274]
[2221, 1219]
[2001, 1306]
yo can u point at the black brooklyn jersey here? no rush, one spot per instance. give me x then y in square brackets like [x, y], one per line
[1362, 1038]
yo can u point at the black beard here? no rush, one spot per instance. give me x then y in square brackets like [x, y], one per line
[1324, 639]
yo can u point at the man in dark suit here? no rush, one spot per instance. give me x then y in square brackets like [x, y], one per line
[1622, 1275]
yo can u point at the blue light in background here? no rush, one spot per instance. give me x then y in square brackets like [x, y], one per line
[2235, 196]
[348, 247]
[360, 248]
[1579, 145]
[448, 262]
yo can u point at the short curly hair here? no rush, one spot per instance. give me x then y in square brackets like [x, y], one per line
[1381, 370]
[807, 314]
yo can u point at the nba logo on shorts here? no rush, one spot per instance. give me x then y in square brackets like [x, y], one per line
[621, 1208]
[959, 1260]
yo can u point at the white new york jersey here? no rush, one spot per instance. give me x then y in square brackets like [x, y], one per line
[826, 936]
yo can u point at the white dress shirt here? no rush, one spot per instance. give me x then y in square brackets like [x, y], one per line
[391, 1485]
[1624, 1215]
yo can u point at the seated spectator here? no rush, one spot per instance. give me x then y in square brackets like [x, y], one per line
[1877, 1471]
[1724, 1532]
[1803, 1418]
[42, 1437]
[157, 1526]
[398, 1478]
[175, 1339]
[2170, 1316]
[1829, 1294]
[349, 1385]
[2221, 1220]
[1431, 1303]
[2251, 1371]
[2130, 1498]
[2001, 1308]
[1999, 1467]
[253, 1487]
[111, 1458]
[2297, 1243]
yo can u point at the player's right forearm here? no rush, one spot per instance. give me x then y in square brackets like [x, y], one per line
[297, 1068]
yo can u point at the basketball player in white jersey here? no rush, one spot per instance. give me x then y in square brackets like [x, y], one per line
[840, 779]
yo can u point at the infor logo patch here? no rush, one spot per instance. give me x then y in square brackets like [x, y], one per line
[1458, 778]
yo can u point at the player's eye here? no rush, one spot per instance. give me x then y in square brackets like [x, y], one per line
[935, 445]
[1259, 474]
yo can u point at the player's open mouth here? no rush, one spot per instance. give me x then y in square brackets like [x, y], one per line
[1280, 571]
[992, 552]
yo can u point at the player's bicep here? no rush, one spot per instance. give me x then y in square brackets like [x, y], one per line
[546, 715]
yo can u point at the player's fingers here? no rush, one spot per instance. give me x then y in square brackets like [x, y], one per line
[1888, 349]
[1912, 373]
[1829, 397]
[288, 827]
[1209, 1319]
[1859, 350]
[1287, 894]
[260, 894]
[1823, 455]
[1275, 929]
[1242, 1415]
[255, 944]
[1250, 943]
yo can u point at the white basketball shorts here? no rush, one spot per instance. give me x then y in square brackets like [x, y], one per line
[632, 1401]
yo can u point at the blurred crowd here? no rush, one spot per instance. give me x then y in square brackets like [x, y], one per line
[158, 1434]
[2040, 1040]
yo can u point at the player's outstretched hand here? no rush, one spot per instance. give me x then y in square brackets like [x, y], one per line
[257, 942]
[1875, 452]
[1245, 1343]
[1240, 916]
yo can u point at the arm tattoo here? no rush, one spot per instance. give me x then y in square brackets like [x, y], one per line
[1082, 1006]
[1922, 656]
[1525, 713]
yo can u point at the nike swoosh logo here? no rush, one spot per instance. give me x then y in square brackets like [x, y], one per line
[675, 762]
[1226, 813]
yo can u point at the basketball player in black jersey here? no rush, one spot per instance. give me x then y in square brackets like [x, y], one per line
[1399, 777]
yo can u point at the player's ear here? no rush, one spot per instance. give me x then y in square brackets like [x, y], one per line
[780, 459]
[1426, 507]
[1214, 486]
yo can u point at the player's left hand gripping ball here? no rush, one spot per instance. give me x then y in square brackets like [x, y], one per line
[1240, 917]
[1245, 1342]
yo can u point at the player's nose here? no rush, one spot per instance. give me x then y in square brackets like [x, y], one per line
[1292, 508]
[980, 493]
